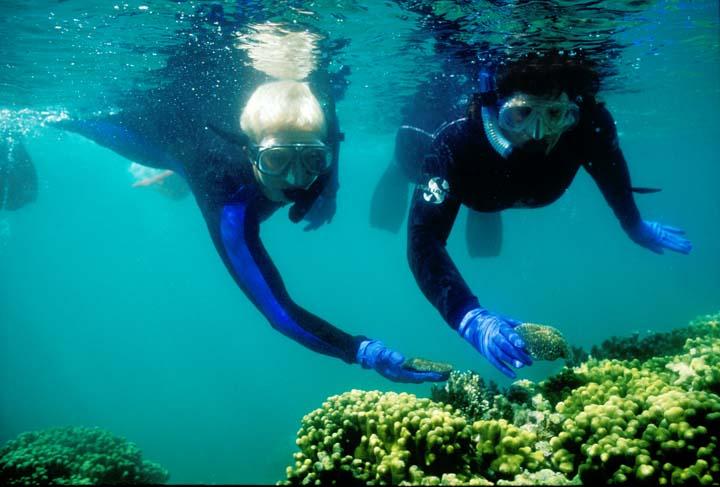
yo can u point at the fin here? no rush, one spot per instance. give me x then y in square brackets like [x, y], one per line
[113, 133]
[483, 234]
[18, 179]
[645, 190]
[411, 146]
[390, 199]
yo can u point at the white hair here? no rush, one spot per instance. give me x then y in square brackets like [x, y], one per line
[282, 106]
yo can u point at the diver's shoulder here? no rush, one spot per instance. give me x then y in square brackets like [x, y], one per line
[596, 112]
[597, 125]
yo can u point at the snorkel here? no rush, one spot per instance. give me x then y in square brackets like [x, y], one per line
[489, 113]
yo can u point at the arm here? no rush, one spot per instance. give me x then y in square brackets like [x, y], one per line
[431, 219]
[236, 235]
[607, 166]
[437, 276]
[235, 231]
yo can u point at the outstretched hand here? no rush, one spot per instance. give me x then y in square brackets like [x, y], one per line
[372, 354]
[495, 338]
[657, 237]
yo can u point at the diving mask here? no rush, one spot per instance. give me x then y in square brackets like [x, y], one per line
[277, 159]
[537, 117]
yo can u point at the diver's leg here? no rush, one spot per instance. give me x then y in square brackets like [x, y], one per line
[18, 179]
[390, 197]
[126, 134]
[483, 234]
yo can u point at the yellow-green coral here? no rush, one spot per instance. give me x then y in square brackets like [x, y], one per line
[543, 342]
[381, 438]
[644, 422]
[621, 421]
[88, 456]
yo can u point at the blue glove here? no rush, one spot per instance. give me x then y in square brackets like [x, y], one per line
[656, 237]
[322, 211]
[372, 354]
[494, 338]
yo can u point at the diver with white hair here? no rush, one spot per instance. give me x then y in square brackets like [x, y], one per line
[285, 153]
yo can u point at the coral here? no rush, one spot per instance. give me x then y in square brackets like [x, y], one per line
[378, 438]
[543, 342]
[657, 344]
[475, 398]
[75, 456]
[640, 421]
[425, 365]
[560, 385]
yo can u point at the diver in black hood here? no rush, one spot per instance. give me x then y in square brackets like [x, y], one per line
[526, 133]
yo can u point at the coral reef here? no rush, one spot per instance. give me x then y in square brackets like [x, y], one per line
[641, 421]
[476, 399]
[87, 456]
[371, 437]
[656, 344]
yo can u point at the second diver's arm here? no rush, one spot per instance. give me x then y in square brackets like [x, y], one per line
[606, 164]
[431, 218]
[437, 276]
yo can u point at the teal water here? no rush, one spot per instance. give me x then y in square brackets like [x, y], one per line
[115, 310]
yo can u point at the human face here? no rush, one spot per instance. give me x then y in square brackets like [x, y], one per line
[290, 160]
[530, 121]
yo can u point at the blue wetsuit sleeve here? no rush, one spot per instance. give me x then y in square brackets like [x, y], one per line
[236, 235]
[437, 276]
[607, 166]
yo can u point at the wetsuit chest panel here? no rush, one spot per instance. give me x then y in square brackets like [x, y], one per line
[485, 181]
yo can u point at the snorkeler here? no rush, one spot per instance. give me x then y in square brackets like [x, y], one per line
[18, 179]
[526, 133]
[286, 153]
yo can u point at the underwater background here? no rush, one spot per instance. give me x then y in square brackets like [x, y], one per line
[115, 310]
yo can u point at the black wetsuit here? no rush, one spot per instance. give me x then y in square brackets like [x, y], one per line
[234, 205]
[186, 125]
[481, 179]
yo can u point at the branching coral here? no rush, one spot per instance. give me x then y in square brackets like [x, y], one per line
[474, 397]
[75, 456]
[642, 422]
[376, 438]
[639, 421]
